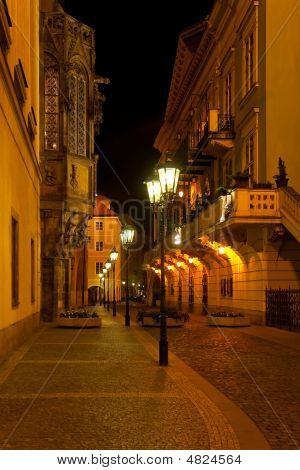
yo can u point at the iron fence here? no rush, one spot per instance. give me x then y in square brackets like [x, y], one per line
[283, 308]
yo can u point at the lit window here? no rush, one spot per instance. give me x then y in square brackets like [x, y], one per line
[99, 225]
[249, 61]
[99, 246]
[51, 103]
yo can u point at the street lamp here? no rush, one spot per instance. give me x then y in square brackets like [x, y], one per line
[168, 175]
[104, 270]
[191, 292]
[127, 236]
[100, 287]
[107, 266]
[179, 264]
[113, 258]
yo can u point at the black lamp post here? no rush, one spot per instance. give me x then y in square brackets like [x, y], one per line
[107, 266]
[127, 236]
[160, 191]
[104, 299]
[113, 258]
[101, 275]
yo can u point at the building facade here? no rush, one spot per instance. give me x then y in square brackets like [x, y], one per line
[231, 123]
[103, 235]
[70, 116]
[19, 172]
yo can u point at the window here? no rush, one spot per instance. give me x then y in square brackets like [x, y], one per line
[51, 103]
[227, 287]
[14, 262]
[99, 267]
[249, 154]
[32, 267]
[249, 61]
[77, 112]
[227, 171]
[99, 246]
[99, 225]
[228, 94]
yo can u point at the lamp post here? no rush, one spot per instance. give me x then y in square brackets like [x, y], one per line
[108, 266]
[113, 258]
[178, 264]
[100, 287]
[104, 273]
[191, 293]
[160, 191]
[127, 236]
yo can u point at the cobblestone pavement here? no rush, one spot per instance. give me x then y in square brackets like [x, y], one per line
[261, 376]
[102, 389]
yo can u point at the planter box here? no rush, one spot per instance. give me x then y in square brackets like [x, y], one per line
[79, 322]
[228, 321]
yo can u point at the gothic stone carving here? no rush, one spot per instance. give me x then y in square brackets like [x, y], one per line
[74, 177]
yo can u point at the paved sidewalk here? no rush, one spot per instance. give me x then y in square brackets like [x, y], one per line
[103, 389]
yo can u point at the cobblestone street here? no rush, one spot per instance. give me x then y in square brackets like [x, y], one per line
[258, 368]
[103, 389]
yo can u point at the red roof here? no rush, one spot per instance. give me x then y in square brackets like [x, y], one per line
[102, 208]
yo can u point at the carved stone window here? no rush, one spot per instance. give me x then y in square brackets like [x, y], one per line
[51, 103]
[77, 113]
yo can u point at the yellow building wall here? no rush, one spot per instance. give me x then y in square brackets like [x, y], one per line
[110, 236]
[19, 177]
[282, 87]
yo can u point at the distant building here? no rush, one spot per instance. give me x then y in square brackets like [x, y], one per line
[104, 230]
[19, 173]
[232, 112]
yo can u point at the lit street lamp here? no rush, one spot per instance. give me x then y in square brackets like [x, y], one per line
[160, 194]
[127, 236]
[113, 258]
[108, 266]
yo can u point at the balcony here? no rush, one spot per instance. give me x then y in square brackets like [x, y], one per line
[217, 133]
[241, 208]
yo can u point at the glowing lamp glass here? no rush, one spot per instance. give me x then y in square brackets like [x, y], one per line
[108, 265]
[104, 270]
[180, 194]
[168, 177]
[191, 260]
[154, 190]
[178, 264]
[221, 250]
[127, 236]
[113, 255]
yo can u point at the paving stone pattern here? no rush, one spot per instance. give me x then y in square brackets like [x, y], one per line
[262, 377]
[101, 390]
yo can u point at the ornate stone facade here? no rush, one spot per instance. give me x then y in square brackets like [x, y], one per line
[71, 115]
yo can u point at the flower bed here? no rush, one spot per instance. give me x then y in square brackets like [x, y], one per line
[227, 319]
[79, 319]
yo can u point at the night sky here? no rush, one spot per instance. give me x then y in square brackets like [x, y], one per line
[136, 48]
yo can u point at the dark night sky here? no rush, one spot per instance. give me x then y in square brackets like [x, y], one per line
[136, 47]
